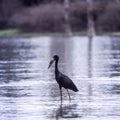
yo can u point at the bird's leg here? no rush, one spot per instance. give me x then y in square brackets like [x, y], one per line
[61, 93]
[69, 95]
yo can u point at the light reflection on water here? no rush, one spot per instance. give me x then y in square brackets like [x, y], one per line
[28, 89]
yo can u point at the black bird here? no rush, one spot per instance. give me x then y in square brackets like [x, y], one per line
[62, 80]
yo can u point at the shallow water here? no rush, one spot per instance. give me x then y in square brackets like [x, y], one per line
[28, 89]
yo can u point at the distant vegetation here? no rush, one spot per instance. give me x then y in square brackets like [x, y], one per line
[47, 15]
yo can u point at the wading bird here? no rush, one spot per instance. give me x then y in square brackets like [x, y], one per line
[63, 80]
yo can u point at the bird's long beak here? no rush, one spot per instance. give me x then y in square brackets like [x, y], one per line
[51, 62]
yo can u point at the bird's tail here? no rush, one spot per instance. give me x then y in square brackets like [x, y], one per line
[74, 88]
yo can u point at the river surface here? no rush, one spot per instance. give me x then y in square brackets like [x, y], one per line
[28, 90]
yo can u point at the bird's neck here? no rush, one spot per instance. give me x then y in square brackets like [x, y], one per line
[56, 67]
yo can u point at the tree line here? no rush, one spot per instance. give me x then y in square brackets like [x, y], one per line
[48, 15]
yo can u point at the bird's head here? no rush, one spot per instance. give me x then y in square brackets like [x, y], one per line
[55, 58]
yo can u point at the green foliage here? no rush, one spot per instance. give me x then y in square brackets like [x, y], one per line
[8, 32]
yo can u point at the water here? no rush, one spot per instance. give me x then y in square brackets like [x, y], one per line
[28, 89]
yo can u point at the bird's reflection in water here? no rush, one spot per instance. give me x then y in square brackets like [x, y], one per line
[66, 111]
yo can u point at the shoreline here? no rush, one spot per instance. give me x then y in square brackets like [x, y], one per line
[16, 33]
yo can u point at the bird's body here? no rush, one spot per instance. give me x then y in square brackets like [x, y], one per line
[63, 80]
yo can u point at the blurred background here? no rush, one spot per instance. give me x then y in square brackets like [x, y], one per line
[48, 15]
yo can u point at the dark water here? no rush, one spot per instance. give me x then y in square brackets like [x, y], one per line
[28, 90]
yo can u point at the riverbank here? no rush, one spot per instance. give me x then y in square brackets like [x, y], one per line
[17, 33]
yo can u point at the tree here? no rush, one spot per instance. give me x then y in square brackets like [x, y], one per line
[91, 28]
[67, 18]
